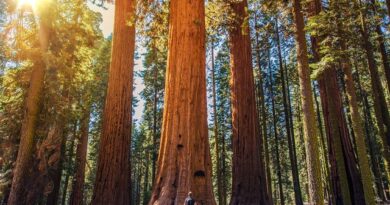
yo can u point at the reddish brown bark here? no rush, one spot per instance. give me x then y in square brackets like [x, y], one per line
[346, 172]
[112, 178]
[184, 162]
[249, 181]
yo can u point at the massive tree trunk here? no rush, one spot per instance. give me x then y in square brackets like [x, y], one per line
[184, 162]
[316, 191]
[249, 182]
[32, 108]
[112, 178]
[76, 197]
[290, 137]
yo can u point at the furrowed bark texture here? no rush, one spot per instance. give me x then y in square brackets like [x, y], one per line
[309, 123]
[184, 162]
[112, 178]
[249, 181]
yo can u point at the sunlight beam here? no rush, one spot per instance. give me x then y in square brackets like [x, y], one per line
[31, 3]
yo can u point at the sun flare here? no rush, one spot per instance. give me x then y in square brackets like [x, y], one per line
[32, 3]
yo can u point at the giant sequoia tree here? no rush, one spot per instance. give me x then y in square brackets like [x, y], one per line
[249, 182]
[112, 177]
[184, 162]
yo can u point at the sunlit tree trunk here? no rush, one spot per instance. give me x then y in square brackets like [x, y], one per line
[249, 182]
[184, 162]
[32, 108]
[316, 191]
[357, 125]
[112, 178]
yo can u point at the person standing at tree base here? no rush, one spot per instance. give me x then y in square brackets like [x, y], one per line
[189, 200]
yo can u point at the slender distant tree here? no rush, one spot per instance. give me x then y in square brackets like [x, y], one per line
[277, 137]
[76, 197]
[112, 177]
[184, 162]
[263, 115]
[216, 134]
[290, 137]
